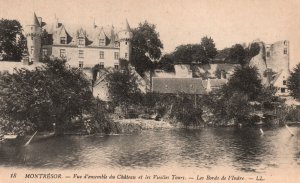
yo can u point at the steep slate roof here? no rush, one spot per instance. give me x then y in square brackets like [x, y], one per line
[91, 32]
[35, 20]
[178, 85]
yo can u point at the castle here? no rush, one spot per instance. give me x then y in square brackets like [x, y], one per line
[273, 64]
[82, 48]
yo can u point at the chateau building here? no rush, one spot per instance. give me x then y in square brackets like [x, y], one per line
[81, 47]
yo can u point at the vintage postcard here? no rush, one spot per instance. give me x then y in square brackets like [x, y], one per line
[149, 91]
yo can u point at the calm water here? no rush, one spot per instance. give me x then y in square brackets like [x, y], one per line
[242, 150]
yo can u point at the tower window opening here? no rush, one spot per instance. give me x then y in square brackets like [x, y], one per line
[268, 54]
[31, 50]
[126, 55]
[126, 43]
[285, 51]
[44, 52]
[282, 90]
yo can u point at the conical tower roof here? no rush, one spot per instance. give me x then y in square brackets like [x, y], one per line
[35, 20]
[125, 26]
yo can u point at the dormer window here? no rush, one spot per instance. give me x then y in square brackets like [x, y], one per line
[81, 42]
[63, 40]
[101, 42]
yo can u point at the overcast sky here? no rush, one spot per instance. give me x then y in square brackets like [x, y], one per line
[178, 21]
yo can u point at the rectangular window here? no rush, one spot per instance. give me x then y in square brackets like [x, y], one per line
[285, 51]
[101, 42]
[62, 53]
[80, 64]
[268, 54]
[44, 52]
[284, 82]
[116, 55]
[81, 54]
[101, 54]
[63, 40]
[31, 50]
[126, 55]
[116, 66]
[282, 90]
[81, 41]
[101, 65]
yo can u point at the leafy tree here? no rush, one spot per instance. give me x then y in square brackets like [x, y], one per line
[293, 82]
[123, 87]
[246, 80]
[166, 63]
[196, 53]
[237, 107]
[209, 47]
[237, 54]
[12, 41]
[48, 94]
[146, 46]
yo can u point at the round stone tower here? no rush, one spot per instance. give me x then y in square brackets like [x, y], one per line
[33, 37]
[125, 36]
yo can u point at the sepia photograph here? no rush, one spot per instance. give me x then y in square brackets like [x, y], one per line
[149, 91]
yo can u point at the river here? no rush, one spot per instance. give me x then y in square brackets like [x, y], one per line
[238, 150]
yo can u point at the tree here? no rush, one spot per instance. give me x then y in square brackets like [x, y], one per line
[146, 46]
[246, 80]
[196, 53]
[209, 47]
[293, 82]
[48, 94]
[12, 41]
[123, 88]
[237, 54]
[166, 63]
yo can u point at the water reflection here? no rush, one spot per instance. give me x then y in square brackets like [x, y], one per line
[240, 149]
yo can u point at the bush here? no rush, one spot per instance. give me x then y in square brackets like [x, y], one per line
[17, 127]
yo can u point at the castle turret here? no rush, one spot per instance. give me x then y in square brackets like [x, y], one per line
[33, 36]
[125, 36]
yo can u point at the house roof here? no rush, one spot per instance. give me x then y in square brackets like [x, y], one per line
[178, 85]
[217, 82]
[92, 33]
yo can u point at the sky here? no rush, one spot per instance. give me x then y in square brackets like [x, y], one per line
[178, 21]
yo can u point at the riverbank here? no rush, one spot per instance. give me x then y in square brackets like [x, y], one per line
[138, 124]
